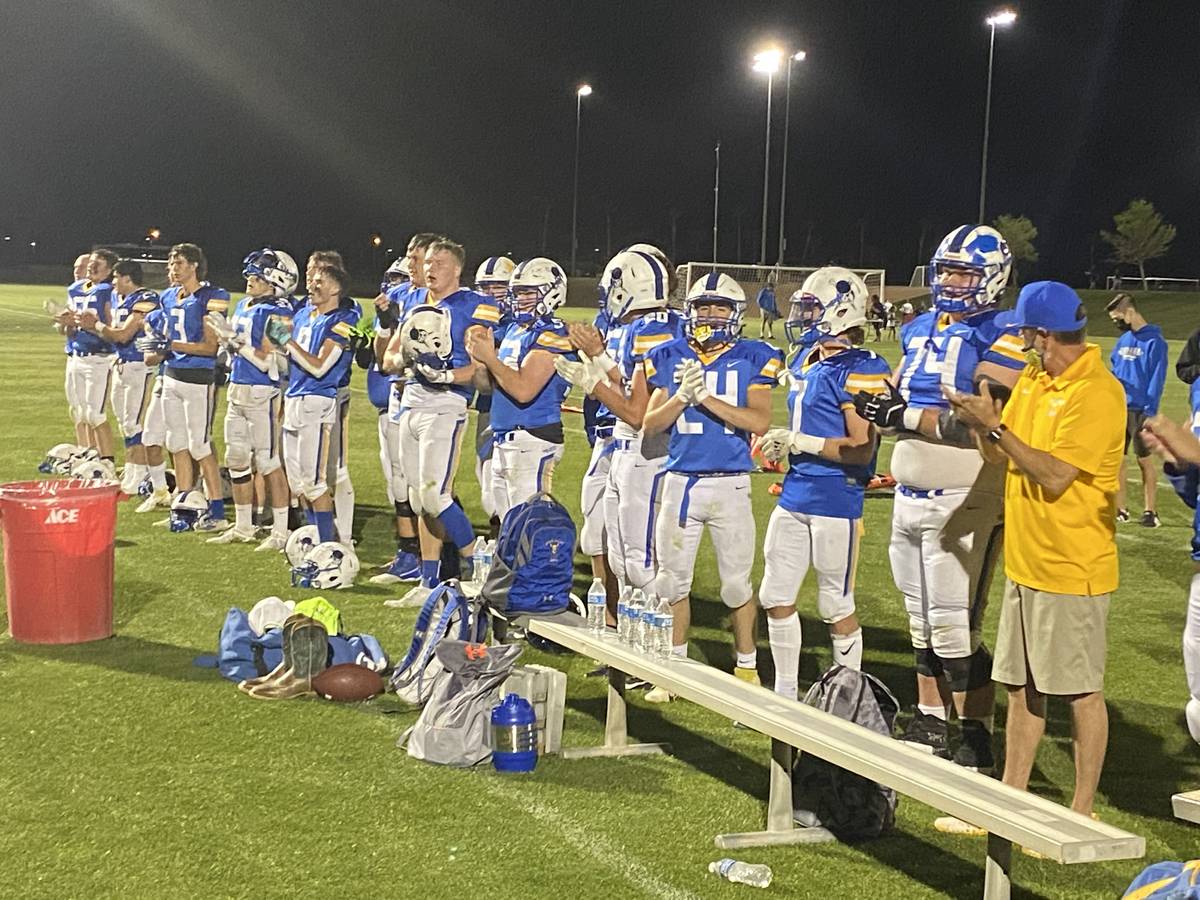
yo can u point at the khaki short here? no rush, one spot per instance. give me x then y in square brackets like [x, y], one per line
[1056, 641]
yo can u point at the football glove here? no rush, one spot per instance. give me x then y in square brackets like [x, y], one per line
[691, 381]
[884, 410]
[584, 375]
[778, 443]
[53, 308]
[229, 336]
[361, 335]
[279, 331]
[434, 376]
[152, 344]
[389, 316]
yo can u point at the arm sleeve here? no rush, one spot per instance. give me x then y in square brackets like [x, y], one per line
[1187, 367]
[1158, 376]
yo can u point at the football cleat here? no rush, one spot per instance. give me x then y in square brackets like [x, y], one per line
[746, 674]
[1150, 519]
[928, 733]
[274, 542]
[975, 749]
[1122, 515]
[206, 522]
[405, 567]
[659, 695]
[233, 536]
[414, 599]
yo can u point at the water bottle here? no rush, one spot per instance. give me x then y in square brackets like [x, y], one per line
[742, 873]
[637, 603]
[647, 636]
[481, 560]
[514, 735]
[664, 637]
[489, 553]
[597, 600]
[623, 613]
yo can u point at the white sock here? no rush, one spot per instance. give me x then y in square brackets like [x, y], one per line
[158, 477]
[747, 660]
[243, 516]
[786, 638]
[343, 508]
[938, 712]
[279, 521]
[679, 650]
[847, 649]
[136, 472]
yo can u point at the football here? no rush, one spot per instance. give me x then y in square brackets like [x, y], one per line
[348, 683]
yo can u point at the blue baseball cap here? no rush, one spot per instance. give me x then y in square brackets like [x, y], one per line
[1050, 306]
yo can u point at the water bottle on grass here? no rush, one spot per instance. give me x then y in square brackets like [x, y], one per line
[755, 875]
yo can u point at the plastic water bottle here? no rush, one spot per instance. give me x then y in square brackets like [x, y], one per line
[623, 613]
[637, 603]
[664, 628]
[481, 560]
[514, 735]
[647, 636]
[597, 600]
[755, 875]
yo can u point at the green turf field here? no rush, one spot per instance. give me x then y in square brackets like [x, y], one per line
[126, 772]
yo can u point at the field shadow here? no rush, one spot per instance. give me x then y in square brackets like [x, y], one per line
[136, 656]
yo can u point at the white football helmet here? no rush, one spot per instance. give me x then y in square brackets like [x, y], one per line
[58, 459]
[984, 253]
[94, 469]
[542, 277]
[328, 567]
[425, 335]
[672, 271]
[186, 510]
[831, 301]
[275, 267]
[492, 277]
[397, 273]
[300, 543]
[634, 280]
[715, 287]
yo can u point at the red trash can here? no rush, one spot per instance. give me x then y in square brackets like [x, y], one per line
[58, 559]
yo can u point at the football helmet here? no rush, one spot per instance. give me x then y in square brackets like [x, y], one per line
[831, 301]
[672, 271]
[984, 253]
[300, 543]
[425, 335]
[58, 459]
[633, 280]
[93, 468]
[714, 288]
[186, 510]
[543, 277]
[146, 485]
[492, 277]
[275, 267]
[328, 566]
[397, 273]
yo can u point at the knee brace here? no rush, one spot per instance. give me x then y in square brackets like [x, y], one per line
[133, 440]
[403, 509]
[969, 673]
[237, 459]
[928, 663]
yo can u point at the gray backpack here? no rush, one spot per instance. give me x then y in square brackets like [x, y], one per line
[454, 728]
[852, 807]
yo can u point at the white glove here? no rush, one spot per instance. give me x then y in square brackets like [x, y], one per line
[779, 442]
[693, 382]
[229, 337]
[785, 378]
[604, 363]
[434, 376]
[584, 375]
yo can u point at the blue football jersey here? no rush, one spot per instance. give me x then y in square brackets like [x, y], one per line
[633, 341]
[940, 353]
[98, 298]
[997, 338]
[467, 308]
[143, 301]
[185, 321]
[310, 329]
[250, 321]
[821, 392]
[699, 441]
[546, 408]
[597, 415]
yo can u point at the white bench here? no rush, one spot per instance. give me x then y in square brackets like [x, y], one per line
[1186, 806]
[1008, 815]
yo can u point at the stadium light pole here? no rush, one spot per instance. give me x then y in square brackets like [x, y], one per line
[716, 198]
[1002, 18]
[584, 90]
[766, 61]
[798, 56]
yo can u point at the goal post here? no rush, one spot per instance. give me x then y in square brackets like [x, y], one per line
[787, 279]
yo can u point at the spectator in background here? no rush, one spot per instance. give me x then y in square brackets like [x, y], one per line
[1060, 435]
[768, 309]
[878, 317]
[891, 319]
[1139, 361]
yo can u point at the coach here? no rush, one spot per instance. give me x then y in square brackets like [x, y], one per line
[1061, 435]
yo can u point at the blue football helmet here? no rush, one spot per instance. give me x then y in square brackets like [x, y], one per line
[186, 510]
[275, 267]
[979, 250]
[541, 277]
[709, 330]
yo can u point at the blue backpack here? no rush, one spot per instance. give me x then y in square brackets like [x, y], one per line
[447, 614]
[534, 563]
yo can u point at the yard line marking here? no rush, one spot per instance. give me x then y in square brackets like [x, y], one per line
[25, 312]
[611, 856]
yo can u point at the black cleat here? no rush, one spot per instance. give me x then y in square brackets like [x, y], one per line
[928, 733]
[975, 749]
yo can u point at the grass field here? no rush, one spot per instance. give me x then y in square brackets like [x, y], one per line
[127, 772]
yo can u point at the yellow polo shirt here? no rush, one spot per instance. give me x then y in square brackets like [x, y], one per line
[1066, 544]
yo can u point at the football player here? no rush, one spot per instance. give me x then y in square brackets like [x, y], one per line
[131, 302]
[251, 414]
[711, 390]
[390, 307]
[317, 342]
[63, 317]
[635, 287]
[189, 382]
[153, 347]
[946, 518]
[90, 356]
[830, 449]
[432, 342]
[526, 415]
[491, 279]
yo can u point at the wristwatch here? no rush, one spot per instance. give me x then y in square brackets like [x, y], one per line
[996, 433]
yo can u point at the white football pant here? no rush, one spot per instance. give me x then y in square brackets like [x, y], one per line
[130, 388]
[187, 414]
[631, 503]
[797, 541]
[307, 423]
[251, 438]
[87, 385]
[523, 466]
[591, 498]
[429, 444]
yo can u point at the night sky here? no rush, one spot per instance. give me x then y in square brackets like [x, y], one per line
[296, 124]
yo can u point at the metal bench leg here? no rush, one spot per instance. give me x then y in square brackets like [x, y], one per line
[781, 827]
[616, 737]
[997, 879]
